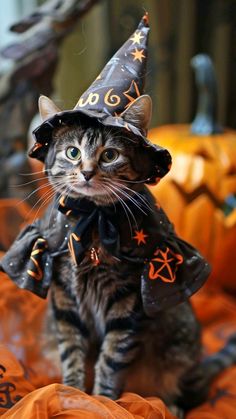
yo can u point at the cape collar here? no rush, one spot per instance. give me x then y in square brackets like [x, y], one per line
[171, 270]
[106, 221]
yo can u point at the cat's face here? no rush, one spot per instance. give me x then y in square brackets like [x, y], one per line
[95, 162]
[100, 163]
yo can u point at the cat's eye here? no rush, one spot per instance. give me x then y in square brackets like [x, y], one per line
[109, 155]
[73, 153]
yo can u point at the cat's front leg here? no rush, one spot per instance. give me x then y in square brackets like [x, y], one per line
[72, 336]
[119, 349]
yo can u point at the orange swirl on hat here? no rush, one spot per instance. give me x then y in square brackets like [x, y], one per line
[92, 99]
[111, 100]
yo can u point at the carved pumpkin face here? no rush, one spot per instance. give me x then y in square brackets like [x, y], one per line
[195, 194]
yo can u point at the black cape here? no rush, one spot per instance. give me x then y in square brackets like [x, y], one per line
[171, 270]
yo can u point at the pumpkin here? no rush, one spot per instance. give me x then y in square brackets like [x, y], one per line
[199, 192]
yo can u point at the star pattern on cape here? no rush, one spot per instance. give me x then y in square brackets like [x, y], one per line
[140, 237]
[136, 38]
[164, 265]
[138, 55]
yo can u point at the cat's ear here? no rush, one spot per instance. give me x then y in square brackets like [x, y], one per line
[139, 113]
[47, 108]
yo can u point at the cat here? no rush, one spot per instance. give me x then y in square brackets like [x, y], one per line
[97, 308]
[109, 334]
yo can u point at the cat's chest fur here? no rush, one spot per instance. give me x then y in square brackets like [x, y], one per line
[100, 292]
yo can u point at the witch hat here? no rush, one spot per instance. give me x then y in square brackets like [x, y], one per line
[119, 85]
[122, 79]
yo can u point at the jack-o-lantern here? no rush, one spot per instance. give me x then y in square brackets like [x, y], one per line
[199, 192]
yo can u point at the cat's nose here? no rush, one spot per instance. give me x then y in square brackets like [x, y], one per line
[87, 174]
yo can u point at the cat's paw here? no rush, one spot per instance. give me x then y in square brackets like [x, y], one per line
[107, 391]
[73, 381]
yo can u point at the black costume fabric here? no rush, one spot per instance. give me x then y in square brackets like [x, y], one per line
[117, 86]
[169, 269]
[29, 261]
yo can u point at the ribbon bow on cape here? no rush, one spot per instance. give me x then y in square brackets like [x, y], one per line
[89, 216]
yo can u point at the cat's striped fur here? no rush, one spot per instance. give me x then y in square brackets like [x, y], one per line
[99, 314]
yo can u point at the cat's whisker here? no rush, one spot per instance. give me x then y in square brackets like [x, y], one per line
[49, 192]
[135, 181]
[44, 201]
[31, 173]
[125, 194]
[131, 199]
[31, 194]
[109, 198]
[129, 181]
[37, 203]
[139, 195]
[120, 186]
[34, 181]
[28, 183]
[45, 185]
[141, 198]
[125, 204]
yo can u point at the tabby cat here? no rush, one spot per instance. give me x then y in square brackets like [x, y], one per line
[97, 307]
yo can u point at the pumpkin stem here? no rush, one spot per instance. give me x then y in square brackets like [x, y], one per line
[205, 121]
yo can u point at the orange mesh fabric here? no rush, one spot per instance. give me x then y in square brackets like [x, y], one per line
[13, 383]
[26, 389]
[21, 317]
[58, 401]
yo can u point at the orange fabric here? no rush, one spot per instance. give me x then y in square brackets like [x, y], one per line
[13, 384]
[26, 375]
[59, 401]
